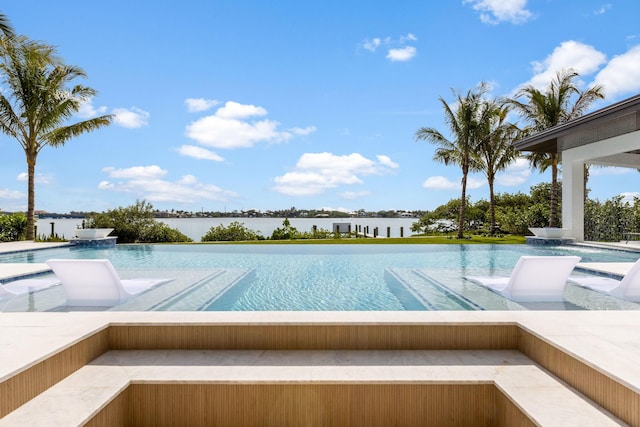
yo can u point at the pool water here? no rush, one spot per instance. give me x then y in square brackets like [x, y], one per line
[323, 277]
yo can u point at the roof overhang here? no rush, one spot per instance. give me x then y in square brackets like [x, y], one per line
[614, 120]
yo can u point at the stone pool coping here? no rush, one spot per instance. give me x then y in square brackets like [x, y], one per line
[588, 360]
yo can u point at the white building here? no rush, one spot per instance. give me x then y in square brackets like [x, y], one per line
[609, 137]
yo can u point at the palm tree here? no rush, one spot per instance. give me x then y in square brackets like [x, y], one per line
[462, 120]
[496, 151]
[5, 26]
[560, 102]
[36, 105]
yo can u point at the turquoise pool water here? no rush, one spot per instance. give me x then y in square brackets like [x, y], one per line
[323, 277]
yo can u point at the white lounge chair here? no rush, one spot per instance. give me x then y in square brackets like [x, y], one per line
[628, 288]
[23, 286]
[533, 279]
[95, 283]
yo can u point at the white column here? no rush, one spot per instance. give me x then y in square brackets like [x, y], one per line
[615, 150]
[573, 196]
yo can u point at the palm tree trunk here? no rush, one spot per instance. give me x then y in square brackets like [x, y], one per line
[31, 167]
[463, 202]
[492, 207]
[553, 208]
[585, 182]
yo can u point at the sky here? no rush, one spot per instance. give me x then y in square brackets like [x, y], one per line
[236, 105]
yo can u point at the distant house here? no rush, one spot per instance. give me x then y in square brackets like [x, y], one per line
[443, 226]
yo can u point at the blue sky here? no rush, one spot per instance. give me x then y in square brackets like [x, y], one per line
[236, 105]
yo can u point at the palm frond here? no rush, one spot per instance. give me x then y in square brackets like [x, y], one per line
[6, 27]
[62, 134]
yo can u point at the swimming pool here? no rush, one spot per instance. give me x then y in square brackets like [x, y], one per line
[319, 277]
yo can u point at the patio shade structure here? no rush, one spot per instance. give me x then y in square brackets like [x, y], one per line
[608, 137]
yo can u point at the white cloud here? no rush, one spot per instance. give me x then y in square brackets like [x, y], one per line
[200, 104]
[309, 183]
[303, 131]
[629, 197]
[231, 127]
[11, 194]
[401, 54]
[386, 160]
[331, 164]
[87, 110]
[516, 174]
[235, 110]
[622, 74]
[372, 44]
[146, 182]
[220, 132]
[619, 77]
[131, 118]
[440, 183]
[398, 49]
[408, 37]
[444, 183]
[352, 195]
[136, 172]
[39, 178]
[188, 180]
[496, 11]
[474, 183]
[582, 58]
[199, 153]
[317, 172]
[603, 9]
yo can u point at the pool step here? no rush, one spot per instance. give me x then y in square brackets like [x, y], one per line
[430, 293]
[201, 294]
[312, 387]
[184, 293]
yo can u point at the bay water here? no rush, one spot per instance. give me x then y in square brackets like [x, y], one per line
[195, 228]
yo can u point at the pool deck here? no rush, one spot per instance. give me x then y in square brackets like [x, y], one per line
[542, 367]
[29, 245]
[552, 368]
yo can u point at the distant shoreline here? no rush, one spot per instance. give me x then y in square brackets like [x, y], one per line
[195, 228]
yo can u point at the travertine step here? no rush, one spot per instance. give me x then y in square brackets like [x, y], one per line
[533, 392]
